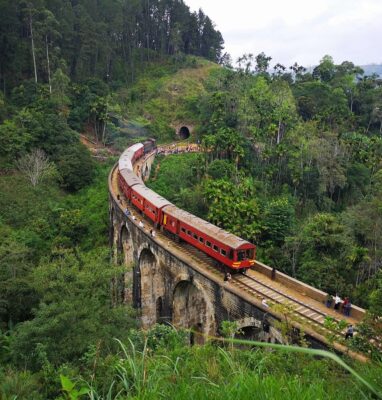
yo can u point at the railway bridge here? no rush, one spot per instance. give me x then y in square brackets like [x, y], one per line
[173, 282]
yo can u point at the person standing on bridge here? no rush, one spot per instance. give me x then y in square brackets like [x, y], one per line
[264, 303]
[273, 275]
[349, 332]
[337, 302]
[346, 307]
[329, 300]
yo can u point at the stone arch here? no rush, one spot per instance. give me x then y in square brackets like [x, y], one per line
[125, 256]
[149, 288]
[184, 133]
[190, 310]
[146, 171]
[111, 227]
[125, 246]
[249, 328]
[159, 309]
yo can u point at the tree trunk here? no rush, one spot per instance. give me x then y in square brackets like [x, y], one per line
[48, 63]
[279, 132]
[33, 49]
[351, 103]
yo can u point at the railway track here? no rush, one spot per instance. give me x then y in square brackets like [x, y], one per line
[304, 313]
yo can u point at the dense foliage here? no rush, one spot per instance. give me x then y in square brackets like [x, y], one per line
[108, 39]
[291, 161]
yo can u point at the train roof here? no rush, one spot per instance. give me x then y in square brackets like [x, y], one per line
[126, 157]
[151, 196]
[134, 147]
[124, 161]
[124, 164]
[131, 178]
[209, 229]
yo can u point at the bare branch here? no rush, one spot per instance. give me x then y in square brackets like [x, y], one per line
[36, 166]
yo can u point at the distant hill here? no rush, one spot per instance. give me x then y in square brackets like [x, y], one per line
[371, 69]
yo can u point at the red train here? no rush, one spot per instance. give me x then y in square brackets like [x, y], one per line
[224, 247]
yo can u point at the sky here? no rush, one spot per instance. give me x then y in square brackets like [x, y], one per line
[299, 30]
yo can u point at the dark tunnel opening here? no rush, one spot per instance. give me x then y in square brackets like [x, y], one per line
[184, 133]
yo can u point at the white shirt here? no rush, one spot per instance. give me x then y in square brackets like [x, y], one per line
[337, 299]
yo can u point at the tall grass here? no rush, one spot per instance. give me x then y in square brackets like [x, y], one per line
[210, 372]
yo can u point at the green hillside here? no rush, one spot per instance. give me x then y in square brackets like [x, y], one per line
[291, 161]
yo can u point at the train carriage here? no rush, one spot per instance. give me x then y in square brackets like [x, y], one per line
[127, 179]
[223, 246]
[124, 162]
[149, 202]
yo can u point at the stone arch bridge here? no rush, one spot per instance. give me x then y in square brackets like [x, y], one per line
[170, 282]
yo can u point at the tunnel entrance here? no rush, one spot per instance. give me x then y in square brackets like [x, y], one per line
[184, 133]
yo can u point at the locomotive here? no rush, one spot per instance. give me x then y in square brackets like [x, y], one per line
[227, 249]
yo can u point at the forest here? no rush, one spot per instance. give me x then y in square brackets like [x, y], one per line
[291, 160]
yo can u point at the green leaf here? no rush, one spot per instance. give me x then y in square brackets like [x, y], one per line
[66, 383]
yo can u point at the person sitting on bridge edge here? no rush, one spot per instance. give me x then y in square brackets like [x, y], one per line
[152, 233]
[349, 332]
[141, 225]
[227, 277]
[127, 212]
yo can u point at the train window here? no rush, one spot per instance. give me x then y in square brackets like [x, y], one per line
[216, 248]
[223, 252]
[201, 240]
[231, 254]
[208, 244]
[189, 233]
[195, 236]
[183, 230]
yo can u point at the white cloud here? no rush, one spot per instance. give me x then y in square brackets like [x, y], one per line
[299, 30]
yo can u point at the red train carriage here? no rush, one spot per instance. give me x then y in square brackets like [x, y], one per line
[149, 202]
[135, 152]
[224, 247]
[126, 180]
